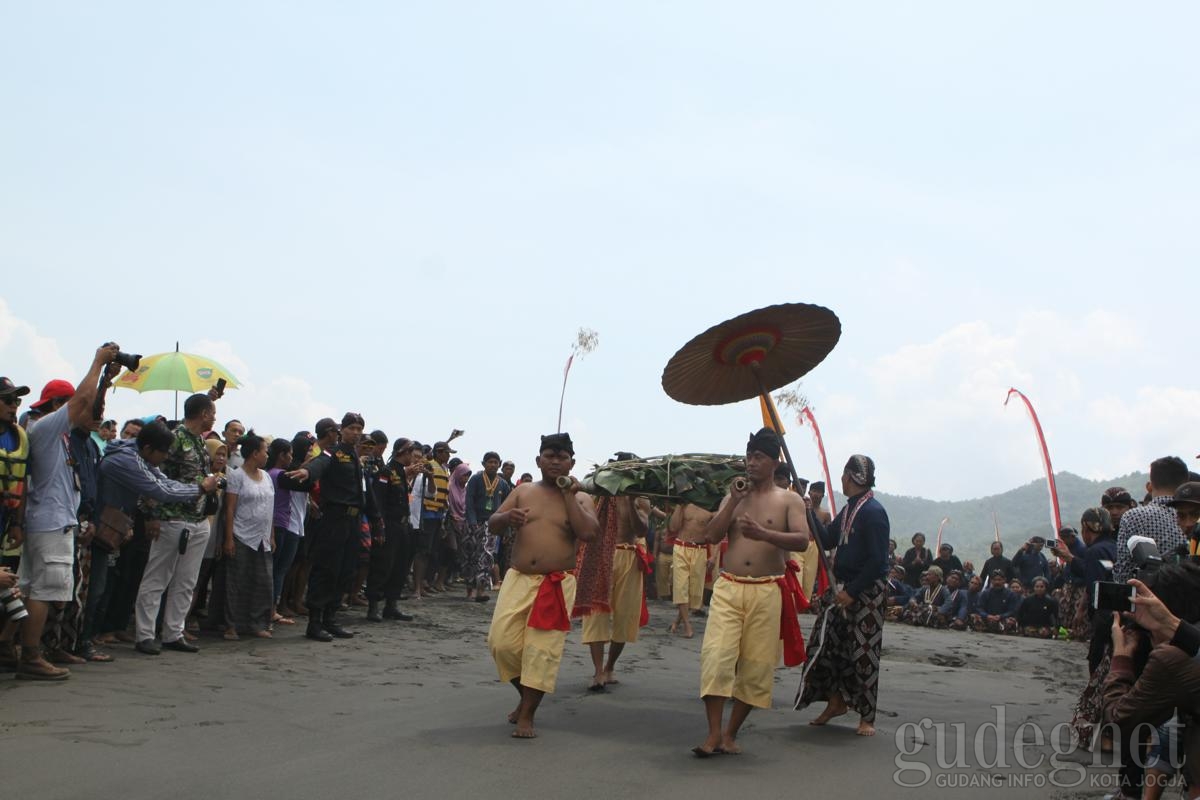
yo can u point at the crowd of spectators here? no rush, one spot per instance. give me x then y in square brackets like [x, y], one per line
[159, 532]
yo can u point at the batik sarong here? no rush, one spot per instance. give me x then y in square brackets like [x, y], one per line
[475, 556]
[843, 652]
[1085, 722]
[64, 627]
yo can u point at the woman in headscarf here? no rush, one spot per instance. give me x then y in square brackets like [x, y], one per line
[460, 545]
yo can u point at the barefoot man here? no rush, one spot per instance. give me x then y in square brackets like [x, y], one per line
[689, 560]
[753, 600]
[531, 619]
[615, 621]
[843, 665]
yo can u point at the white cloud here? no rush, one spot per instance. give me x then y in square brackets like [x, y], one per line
[279, 405]
[29, 357]
[223, 353]
[939, 428]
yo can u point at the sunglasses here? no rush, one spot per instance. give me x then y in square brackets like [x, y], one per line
[11, 400]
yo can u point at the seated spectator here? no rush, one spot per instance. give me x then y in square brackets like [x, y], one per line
[974, 593]
[1029, 562]
[997, 608]
[925, 601]
[916, 560]
[952, 613]
[1038, 614]
[998, 562]
[898, 593]
[946, 561]
[968, 571]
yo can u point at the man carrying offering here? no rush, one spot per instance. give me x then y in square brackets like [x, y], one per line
[531, 618]
[753, 612]
[611, 595]
[689, 559]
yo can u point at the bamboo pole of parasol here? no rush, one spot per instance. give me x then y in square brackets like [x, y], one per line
[791, 465]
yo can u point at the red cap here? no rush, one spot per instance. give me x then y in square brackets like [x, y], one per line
[54, 390]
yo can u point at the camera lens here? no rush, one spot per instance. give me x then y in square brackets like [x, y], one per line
[12, 606]
[130, 361]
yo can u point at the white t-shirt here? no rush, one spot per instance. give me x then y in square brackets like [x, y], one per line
[53, 502]
[255, 507]
[299, 508]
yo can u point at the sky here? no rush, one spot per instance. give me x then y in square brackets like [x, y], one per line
[409, 210]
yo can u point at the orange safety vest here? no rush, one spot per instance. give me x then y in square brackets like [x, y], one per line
[14, 466]
[441, 486]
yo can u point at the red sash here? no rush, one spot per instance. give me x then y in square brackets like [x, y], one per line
[549, 612]
[647, 562]
[789, 622]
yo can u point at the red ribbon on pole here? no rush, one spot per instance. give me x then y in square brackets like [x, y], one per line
[1055, 516]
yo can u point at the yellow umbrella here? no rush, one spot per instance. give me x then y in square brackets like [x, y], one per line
[177, 372]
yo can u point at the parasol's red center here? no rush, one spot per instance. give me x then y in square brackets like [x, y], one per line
[747, 346]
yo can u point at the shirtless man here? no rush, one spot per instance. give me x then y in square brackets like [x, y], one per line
[620, 626]
[816, 493]
[526, 638]
[689, 560]
[742, 644]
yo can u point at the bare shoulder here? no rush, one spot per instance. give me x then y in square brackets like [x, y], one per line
[520, 492]
[585, 501]
[794, 500]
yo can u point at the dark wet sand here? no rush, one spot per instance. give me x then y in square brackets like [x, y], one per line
[414, 710]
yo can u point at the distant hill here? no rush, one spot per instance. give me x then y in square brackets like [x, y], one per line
[1022, 512]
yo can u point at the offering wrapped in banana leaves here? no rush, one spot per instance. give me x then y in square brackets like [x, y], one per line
[699, 478]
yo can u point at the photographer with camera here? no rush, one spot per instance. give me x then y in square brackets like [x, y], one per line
[178, 532]
[48, 524]
[1073, 611]
[1163, 603]
[129, 472]
[12, 611]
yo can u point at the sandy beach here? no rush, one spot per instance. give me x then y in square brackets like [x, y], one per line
[415, 710]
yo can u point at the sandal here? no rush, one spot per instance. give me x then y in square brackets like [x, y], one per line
[279, 619]
[88, 652]
[63, 657]
[230, 635]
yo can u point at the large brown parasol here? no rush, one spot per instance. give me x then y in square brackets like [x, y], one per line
[752, 354]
